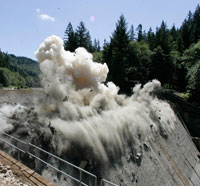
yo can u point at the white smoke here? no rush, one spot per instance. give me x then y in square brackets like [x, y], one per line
[7, 111]
[62, 69]
[88, 113]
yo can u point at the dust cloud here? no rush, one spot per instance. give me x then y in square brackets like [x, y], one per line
[82, 116]
[91, 114]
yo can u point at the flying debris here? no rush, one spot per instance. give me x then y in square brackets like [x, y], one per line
[84, 119]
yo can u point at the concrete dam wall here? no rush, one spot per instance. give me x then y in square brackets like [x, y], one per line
[161, 158]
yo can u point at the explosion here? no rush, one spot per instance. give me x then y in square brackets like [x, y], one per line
[83, 118]
[89, 113]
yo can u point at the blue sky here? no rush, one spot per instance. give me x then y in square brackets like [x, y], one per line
[26, 23]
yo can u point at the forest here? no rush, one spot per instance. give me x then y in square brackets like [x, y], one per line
[171, 55]
[18, 72]
[133, 55]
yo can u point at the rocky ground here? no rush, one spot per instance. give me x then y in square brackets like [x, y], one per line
[10, 176]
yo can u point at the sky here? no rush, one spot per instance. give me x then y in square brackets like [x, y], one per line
[24, 24]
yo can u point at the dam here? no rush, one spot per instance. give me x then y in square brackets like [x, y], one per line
[79, 119]
[168, 158]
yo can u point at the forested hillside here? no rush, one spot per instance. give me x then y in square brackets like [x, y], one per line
[18, 72]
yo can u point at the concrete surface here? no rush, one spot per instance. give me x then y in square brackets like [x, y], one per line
[165, 162]
[169, 160]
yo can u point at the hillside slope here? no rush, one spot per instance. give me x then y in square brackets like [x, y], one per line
[24, 70]
[27, 68]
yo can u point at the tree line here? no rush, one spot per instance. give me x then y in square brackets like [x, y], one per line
[18, 72]
[171, 55]
[79, 38]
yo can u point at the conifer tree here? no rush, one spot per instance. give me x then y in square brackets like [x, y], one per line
[96, 46]
[1, 59]
[185, 30]
[83, 37]
[162, 38]
[173, 33]
[70, 38]
[151, 39]
[132, 33]
[180, 44]
[195, 27]
[140, 33]
[117, 52]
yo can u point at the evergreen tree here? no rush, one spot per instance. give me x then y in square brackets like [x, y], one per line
[151, 39]
[96, 46]
[195, 27]
[161, 67]
[140, 33]
[116, 53]
[144, 35]
[173, 33]
[163, 38]
[70, 38]
[107, 57]
[139, 60]
[180, 44]
[104, 43]
[1, 59]
[185, 31]
[132, 33]
[4, 60]
[166, 54]
[83, 37]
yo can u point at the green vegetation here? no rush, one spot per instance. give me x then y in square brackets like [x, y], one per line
[27, 68]
[12, 79]
[185, 96]
[18, 72]
[79, 38]
[171, 55]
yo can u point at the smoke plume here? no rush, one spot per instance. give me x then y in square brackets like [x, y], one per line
[82, 117]
[6, 112]
[90, 114]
